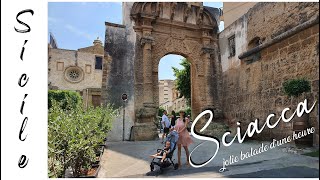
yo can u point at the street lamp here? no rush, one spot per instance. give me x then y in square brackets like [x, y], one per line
[124, 98]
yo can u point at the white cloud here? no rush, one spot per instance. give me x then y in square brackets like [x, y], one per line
[78, 32]
[53, 20]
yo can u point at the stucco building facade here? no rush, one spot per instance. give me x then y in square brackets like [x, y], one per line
[78, 70]
[169, 97]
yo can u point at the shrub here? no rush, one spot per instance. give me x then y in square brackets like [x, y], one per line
[160, 112]
[74, 135]
[296, 87]
[65, 98]
[188, 111]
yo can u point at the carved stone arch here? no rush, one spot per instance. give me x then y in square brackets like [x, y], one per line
[145, 8]
[150, 8]
[186, 29]
[153, 9]
[207, 19]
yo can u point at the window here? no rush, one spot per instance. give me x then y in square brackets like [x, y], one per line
[73, 74]
[98, 62]
[232, 46]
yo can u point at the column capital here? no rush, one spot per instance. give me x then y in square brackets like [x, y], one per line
[208, 50]
[147, 40]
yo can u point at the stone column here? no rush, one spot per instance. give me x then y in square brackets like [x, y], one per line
[147, 43]
[207, 52]
[208, 73]
[145, 128]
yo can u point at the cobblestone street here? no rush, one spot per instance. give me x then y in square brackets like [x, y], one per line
[131, 159]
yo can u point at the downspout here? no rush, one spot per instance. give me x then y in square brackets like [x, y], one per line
[87, 98]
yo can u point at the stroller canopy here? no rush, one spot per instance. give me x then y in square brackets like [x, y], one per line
[173, 137]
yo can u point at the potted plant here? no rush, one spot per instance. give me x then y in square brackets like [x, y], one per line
[295, 88]
[75, 138]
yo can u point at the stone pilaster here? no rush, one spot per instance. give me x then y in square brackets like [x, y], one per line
[208, 73]
[144, 128]
[147, 43]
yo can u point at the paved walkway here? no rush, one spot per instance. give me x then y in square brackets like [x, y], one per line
[131, 159]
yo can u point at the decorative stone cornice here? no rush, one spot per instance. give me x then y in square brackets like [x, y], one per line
[187, 13]
[208, 50]
[280, 37]
[147, 40]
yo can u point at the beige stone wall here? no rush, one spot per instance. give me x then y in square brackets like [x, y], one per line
[83, 58]
[60, 59]
[89, 85]
[254, 90]
[267, 20]
[234, 10]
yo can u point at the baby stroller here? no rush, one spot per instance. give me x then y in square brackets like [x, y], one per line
[173, 138]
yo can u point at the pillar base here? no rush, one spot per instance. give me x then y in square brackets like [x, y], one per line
[144, 132]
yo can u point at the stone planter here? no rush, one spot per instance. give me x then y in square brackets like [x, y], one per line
[93, 172]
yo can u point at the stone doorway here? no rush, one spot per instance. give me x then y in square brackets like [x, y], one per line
[170, 98]
[186, 29]
[152, 30]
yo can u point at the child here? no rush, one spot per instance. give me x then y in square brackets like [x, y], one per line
[163, 152]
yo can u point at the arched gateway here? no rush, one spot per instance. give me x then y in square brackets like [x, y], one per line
[152, 30]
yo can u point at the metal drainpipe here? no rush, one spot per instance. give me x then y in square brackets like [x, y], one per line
[87, 98]
[130, 134]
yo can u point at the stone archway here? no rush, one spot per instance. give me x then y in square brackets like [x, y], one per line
[187, 29]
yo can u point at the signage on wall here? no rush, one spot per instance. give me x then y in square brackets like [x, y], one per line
[124, 97]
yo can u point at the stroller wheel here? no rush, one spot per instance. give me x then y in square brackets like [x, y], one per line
[151, 167]
[176, 166]
[161, 170]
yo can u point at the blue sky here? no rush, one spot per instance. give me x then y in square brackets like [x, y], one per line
[76, 24]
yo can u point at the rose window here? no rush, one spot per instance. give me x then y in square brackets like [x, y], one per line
[74, 74]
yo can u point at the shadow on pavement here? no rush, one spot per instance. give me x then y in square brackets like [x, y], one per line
[288, 172]
[190, 170]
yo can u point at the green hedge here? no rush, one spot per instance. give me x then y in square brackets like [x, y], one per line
[188, 111]
[295, 87]
[161, 110]
[65, 98]
[74, 136]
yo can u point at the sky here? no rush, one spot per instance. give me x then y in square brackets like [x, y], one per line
[77, 24]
